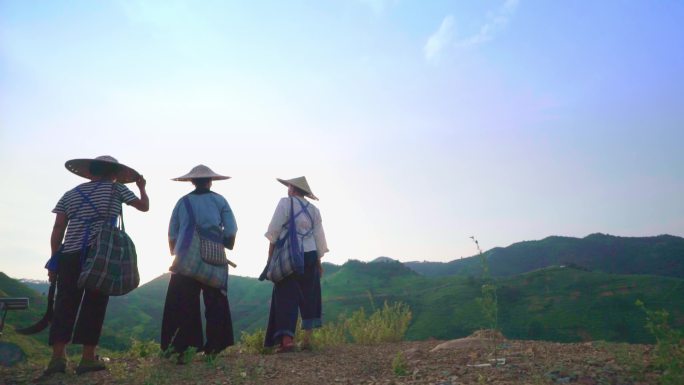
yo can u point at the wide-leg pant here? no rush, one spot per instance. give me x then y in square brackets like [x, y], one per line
[293, 295]
[182, 320]
[71, 302]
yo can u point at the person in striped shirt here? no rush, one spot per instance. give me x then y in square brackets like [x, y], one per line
[80, 213]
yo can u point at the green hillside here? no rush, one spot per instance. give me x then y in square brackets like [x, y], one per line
[556, 304]
[662, 255]
[550, 303]
[31, 345]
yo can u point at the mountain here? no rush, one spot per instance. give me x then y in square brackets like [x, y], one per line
[40, 286]
[30, 345]
[383, 259]
[558, 289]
[661, 255]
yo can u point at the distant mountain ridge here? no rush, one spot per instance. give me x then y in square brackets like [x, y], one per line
[660, 255]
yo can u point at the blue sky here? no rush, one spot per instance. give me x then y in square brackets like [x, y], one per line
[418, 124]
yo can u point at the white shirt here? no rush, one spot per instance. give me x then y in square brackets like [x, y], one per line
[314, 240]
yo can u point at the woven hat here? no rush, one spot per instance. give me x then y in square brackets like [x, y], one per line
[198, 172]
[81, 167]
[300, 183]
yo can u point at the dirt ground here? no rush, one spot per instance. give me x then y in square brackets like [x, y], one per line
[418, 362]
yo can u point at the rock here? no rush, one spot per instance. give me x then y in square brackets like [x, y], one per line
[11, 354]
[461, 343]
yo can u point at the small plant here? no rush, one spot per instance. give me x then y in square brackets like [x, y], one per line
[488, 302]
[254, 342]
[399, 365]
[331, 334]
[669, 351]
[388, 324]
[188, 355]
[143, 349]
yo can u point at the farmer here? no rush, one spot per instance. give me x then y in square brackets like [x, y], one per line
[201, 210]
[297, 293]
[80, 213]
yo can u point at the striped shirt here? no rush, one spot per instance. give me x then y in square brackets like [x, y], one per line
[81, 214]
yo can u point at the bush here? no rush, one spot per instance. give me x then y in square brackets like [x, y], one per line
[388, 324]
[143, 349]
[669, 351]
[253, 343]
[331, 334]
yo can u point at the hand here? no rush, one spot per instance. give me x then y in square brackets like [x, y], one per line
[320, 268]
[52, 276]
[141, 182]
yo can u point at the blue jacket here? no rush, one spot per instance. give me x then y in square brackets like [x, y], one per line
[211, 210]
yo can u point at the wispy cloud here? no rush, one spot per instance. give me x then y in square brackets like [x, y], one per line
[496, 21]
[444, 37]
[440, 39]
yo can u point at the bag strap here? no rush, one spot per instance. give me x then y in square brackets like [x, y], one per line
[190, 230]
[89, 221]
[86, 199]
[188, 208]
[304, 205]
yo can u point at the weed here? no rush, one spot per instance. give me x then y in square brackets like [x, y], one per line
[331, 334]
[488, 302]
[399, 365]
[143, 349]
[669, 351]
[254, 342]
[388, 324]
[188, 355]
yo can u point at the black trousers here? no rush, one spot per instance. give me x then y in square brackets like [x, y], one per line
[182, 321]
[295, 295]
[92, 304]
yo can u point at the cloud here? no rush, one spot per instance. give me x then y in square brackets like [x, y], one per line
[440, 39]
[496, 21]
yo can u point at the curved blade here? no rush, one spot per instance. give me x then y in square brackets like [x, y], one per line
[47, 318]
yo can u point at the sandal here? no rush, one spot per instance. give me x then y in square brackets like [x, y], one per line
[285, 349]
[86, 366]
[56, 365]
[286, 345]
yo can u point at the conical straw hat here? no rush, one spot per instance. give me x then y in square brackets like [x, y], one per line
[300, 183]
[81, 167]
[200, 171]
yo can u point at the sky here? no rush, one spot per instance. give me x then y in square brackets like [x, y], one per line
[417, 123]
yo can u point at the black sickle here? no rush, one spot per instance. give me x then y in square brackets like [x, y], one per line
[47, 318]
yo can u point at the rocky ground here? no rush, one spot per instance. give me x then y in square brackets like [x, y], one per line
[464, 361]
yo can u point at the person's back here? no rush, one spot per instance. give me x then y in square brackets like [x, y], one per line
[79, 215]
[88, 206]
[192, 273]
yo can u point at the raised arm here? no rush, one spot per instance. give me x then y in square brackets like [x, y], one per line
[142, 203]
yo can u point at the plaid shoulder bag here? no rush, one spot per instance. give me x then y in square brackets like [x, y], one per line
[111, 266]
[210, 240]
[288, 254]
[190, 262]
